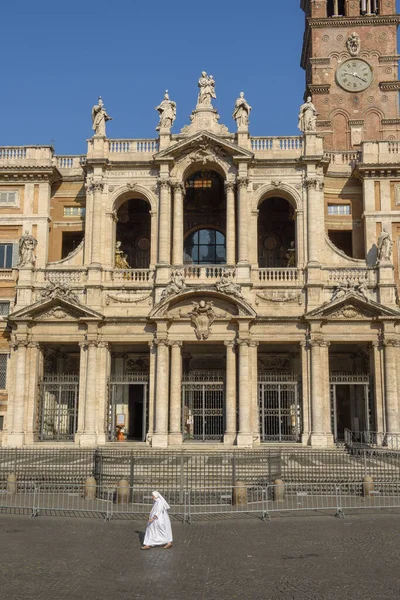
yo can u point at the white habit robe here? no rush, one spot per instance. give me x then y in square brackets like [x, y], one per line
[159, 532]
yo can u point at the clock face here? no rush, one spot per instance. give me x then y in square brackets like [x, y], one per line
[354, 75]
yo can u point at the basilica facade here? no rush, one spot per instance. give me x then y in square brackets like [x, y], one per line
[212, 286]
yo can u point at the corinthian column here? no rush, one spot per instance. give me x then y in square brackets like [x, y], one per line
[160, 437]
[245, 436]
[175, 414]
[320, 398]
[243, 250]
[391, 393]
[230, 401]
[88, 437]
[177, 225]
[164, 229]
[315, 218]
[96, 189]
[16, 437]
[230, 224]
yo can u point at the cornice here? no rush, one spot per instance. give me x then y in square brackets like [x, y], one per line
[386, 59]
[322, 88]
[389, 86]
[358, 21]
[390, 121]
[377, 171]
[26, 172]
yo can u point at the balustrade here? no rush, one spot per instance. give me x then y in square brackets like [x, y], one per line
[134, 275]
[70, 162]
[132, 146]
[209, 272]
[6, 274]
[64, 275]
[351, 275]
[271, 144]
[343, 158]
[279, 275]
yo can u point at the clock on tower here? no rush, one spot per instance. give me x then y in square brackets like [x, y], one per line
[351, 63]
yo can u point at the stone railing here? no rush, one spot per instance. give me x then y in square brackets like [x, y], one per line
[278, 276]
[70, 162]
[343, 158]
[131, 275]
[7, 274]
[338, 276]
[66, 276]
[291, 144]
[17, 154]
[207, 272]
[133, 146]
[380, 152]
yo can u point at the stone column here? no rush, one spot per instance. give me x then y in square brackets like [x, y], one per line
[96, 188]
[34, 365]
[175, 408]
[152, 390]
[242, 224]
[82, 389]
[88, 437]
[164, 229]
[254, 391]
[230, 400]
[305, 425]
[16, 436]
[160, 437]
[391, 396]
[320, 397]
[245, 436]
[103, 374]
[230, 224]
[177, 225]
[378, 378]
[300, 238]
[315, 218]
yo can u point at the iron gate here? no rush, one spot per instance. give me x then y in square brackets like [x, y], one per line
[203, 400]
[58, 407]
[279, 405]
[362, 412]
[118, 382]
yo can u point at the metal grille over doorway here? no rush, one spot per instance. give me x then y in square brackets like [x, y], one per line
[127, 405]
[58, 407]
[279, 405]
[203, 403]
[350, 403]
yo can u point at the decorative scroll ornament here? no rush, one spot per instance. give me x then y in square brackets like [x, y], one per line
[281, 296]
[354, 44]
[61, 290]
[128, 298]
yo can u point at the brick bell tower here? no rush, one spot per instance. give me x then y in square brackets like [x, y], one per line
[351, 64]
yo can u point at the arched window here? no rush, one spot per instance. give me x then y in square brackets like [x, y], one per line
[205, 247]
[369, 7]
[336, 8]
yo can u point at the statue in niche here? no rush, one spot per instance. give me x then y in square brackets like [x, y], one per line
[27, 247]
[308, 117]
[100, 118]
[121, 261]
[207, 89]
[167, 112]
[291, 256]
[242, 111]
[354, 44]
[385, 247]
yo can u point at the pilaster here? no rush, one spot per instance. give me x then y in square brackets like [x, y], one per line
[391, 346]
[230, 402]
[177, 228]
[245, 436]
[16, 433]
[230, 223]
[88, 437]
[321, 434]
[160, 436]
[175, 418]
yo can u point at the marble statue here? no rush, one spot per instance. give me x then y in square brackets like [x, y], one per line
[176, 284]
[167, 112]
[226, 286]
[100, 118]
[242, 111]
[291, 256]
[308, 117]
[120, 257]
[385, 247]
[207, 89]
[27, 247]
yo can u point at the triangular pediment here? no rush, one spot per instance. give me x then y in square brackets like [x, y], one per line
[55, 308]
[352, 307]
[204, 144]
[226, 306]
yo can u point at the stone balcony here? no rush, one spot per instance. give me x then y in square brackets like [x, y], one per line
[287, 147]
[32, 156]
[375, 153]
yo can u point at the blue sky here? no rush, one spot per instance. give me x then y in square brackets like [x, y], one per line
[58, 57]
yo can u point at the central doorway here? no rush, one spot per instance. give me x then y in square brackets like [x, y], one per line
[203, 400]
[350, 404]
[279, 407]
[127, 407]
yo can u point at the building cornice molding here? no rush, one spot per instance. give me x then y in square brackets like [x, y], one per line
[322, 88]
[389, 86]
[359, 21]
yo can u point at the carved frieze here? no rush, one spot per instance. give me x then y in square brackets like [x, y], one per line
[129, 297]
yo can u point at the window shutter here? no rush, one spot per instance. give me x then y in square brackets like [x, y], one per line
[15, 255]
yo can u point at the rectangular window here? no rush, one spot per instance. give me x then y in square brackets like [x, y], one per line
[3, 371]
[1, 422]
[339, 209]
[8, 198]
[6, 256]
[4, 308]
[74, 211]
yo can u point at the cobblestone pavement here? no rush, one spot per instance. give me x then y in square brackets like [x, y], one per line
[291, 558]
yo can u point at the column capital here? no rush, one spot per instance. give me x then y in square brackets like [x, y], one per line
[164, 184]
[319, 343]
[178, 186]
[314, 183]
[230, 343]
[83, 345]
[93, 186]
[33, 345]
[103, 344]
[254, 344]
[242, 182]
[391, 343]
[230, 186]
[161, 342]
[175, 344]
[244, 342]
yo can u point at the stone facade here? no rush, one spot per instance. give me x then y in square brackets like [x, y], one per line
[211, 286]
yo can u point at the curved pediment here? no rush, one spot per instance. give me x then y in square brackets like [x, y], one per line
[225, 307]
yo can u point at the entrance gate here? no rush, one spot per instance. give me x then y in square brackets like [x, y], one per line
[203, 406]
[279, 406]
[58, 407]
[127, 405]
[350, 403]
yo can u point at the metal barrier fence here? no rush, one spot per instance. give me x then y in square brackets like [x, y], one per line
[227, 501]
[374, 439]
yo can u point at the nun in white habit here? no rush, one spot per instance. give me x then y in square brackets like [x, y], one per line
[158, 530]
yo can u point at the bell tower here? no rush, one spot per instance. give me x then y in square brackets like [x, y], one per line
[351, 64]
